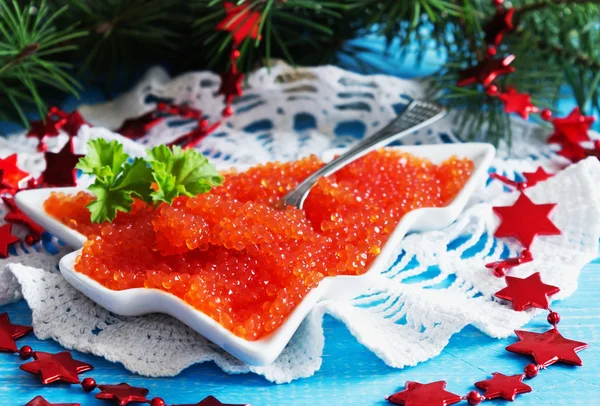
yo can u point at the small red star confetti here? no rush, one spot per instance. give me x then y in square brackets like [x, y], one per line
[240, 21]
[211, 401]
[10, 332]
[6, 239]
[40, 401]
[498, 26]
[547, 348]
[122, 393]
[503, 386]
[540, 175]
[430, 394]
[574, 128]
[56, 367]
[231, 84]
[524, 220]
[12, 174]
[60, 166]
[134, 128]
[73, 123]
[527, 292]
[515, 102]
[486, 71]
[15, 215]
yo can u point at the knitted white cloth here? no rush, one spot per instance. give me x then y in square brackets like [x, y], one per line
[438, 285]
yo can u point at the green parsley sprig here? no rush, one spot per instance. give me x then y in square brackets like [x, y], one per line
[120, 179]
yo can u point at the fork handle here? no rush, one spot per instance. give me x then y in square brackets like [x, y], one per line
[417, 114]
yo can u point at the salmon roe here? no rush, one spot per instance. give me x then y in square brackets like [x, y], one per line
[234, 256]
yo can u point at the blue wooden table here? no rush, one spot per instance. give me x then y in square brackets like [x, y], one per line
[350, 374]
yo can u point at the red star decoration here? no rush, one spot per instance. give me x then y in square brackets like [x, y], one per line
[240, 21]
[56, 367]
[60, 166]
[10, 332]
[12, 175]
[6, 239]
[429, 394]
[231, 85]
[40, 401]
[503, 386]
[524, 220]
[515, 102]
[547, 348]
[15, 215]
[539, 175]
[527, 292]
[486, 71]
[134, 128]
[573, 128]
[73, 123]
[572, 151]
[210, 401]
[498, 26]
[48, 128]
[122, 393]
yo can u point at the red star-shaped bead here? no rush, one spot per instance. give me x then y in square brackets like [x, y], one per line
[15, 215]
[515, 102]
[48, 128]
[10, 332]
[211, 401]
[524, 220]
[419, 394]
[73, 123]
[122, 393]
[40, 401]
[60, 166]
[6, 239]
[486, 71]
[134, 128]
[498, 26]
[12, 174]
[527, 292]
[56, 367]
[574, 128]
[503, 386]
[547, 348]
[572, 151]
[231, 85]
[540, 175]
[240, 21]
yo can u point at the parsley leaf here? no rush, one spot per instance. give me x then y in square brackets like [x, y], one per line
[104, 159]
[178, 172]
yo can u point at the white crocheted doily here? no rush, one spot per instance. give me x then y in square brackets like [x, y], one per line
[438, 285]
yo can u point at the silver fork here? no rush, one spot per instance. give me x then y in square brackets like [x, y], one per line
[417, 114]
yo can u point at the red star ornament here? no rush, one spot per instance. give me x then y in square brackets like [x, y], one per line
[122, 394]
[56, 367]
[540, 175]
[210, 401]
[503, 386]
[515, 102]
[40, 401]
[60, 166]
[527, 292]
[486, 71]
[428, 394]
[525, 220]
[240, 21]
[573, 128]
[547, 348]
[49, 128]
[15, 215]
[12, 175]
[498, 26]
[10, 332]
[73, 123]
[572, 151]
[6, 239]
[231, 85]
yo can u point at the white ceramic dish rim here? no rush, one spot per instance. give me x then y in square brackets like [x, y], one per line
[134, 302]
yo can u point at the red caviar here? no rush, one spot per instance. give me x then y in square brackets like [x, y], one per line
[234, 256]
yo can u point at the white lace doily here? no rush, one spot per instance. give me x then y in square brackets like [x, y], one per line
[438, 285]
